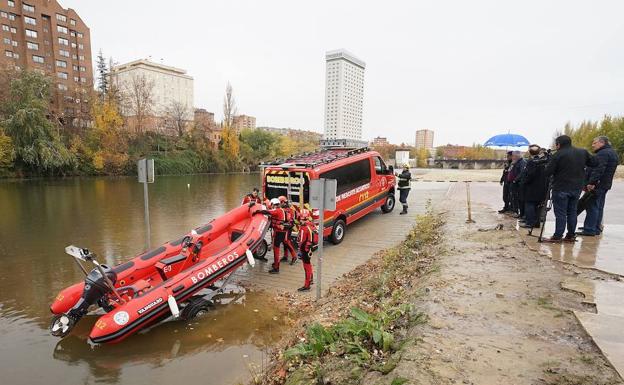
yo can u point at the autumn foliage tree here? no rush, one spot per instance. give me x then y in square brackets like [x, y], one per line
[583, 134]
[107, 139]
[229, 137]
[7, 152]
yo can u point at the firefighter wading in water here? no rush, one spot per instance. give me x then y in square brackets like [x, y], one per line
[308, 241]
[404, 186]
[279, 223]
[252, 197]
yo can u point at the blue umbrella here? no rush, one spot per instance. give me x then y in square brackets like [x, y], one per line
[507, 140]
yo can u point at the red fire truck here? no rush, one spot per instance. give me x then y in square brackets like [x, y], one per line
[365, 183]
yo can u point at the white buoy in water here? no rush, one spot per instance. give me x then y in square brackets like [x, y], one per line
[188, 185]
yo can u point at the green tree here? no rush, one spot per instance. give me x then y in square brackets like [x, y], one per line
[257, 146]
[38, 147]
[103, 74]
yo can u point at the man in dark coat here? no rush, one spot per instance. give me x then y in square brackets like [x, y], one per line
[535, 187]
[600, 182]
[506, 186]
[567, 166]
[514, 177]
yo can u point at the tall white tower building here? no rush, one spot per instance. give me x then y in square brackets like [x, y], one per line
[344, 95]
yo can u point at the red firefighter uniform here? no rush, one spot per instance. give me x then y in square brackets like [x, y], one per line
[278, 223]
[251, 198]
[292, 218]
[308, 239]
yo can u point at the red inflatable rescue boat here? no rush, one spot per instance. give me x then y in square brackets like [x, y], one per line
[160, 283]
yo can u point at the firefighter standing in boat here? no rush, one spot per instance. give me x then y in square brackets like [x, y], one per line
[404, 186]
[252, 197]
[308, 241]
[279, 220]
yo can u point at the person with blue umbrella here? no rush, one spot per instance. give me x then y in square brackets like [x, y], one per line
[510, 189]
[507, 140]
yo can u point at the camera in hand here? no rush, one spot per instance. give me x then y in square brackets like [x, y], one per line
[542, 158]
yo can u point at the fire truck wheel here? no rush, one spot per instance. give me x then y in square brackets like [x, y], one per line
[338, 231]
[388, 205]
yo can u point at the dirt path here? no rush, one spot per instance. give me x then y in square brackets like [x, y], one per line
[497, 315]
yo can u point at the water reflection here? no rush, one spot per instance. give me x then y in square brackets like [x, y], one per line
[601, 252]
[249, 325]
[39, 218]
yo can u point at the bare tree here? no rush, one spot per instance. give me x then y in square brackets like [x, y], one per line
[176, 117]
[229, 107]
[139, 100]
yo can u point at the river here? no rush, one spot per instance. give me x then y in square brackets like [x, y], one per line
[38, 218]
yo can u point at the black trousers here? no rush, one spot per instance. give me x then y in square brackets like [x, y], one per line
[403, 193]
[506, 196]
[516, 199]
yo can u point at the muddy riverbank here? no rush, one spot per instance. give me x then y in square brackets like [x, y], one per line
[497, 314]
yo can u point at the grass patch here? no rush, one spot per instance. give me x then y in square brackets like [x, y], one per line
[360, 338]
[399, 381]
[370, 315]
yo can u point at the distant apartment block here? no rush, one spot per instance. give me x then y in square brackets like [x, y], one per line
[344, 95]
[244, 122]
[204, 120]
[170, 89]
[380, 141]
[424, 139]
[41, 35]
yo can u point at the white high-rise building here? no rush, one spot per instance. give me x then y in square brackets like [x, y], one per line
[344, 95]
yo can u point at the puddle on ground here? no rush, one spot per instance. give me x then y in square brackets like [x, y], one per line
[602, 252]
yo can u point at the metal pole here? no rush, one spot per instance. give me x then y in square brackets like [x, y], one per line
[262, 184]
[301, 191]
[319, 256]
[288, 187]
[147, 220]
[469, 220]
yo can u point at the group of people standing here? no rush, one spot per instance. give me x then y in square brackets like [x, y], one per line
[287, 219]
[529, 183]
[524, 185]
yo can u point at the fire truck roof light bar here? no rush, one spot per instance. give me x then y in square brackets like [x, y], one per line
[314, 159]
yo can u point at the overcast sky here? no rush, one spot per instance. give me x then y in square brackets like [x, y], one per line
[465, 69]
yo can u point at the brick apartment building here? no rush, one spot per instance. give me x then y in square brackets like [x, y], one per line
[204, 120]
[380, 141]
[242, 122]
[41, 35]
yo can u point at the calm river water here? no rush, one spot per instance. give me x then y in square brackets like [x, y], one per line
[39, 218]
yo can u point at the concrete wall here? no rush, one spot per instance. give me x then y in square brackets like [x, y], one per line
[466, 164]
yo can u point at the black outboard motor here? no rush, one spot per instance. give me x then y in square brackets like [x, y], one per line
[95, 290]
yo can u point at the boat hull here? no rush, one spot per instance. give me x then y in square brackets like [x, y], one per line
[226, 241]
